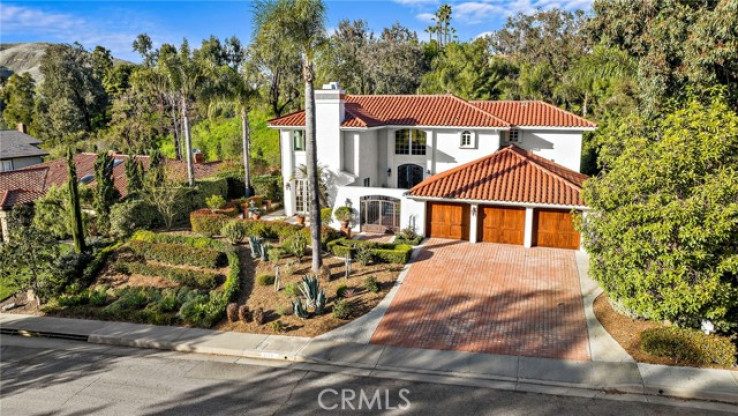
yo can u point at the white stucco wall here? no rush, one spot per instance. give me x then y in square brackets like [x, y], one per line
[449, 153]
[561, 146]
[411, 212]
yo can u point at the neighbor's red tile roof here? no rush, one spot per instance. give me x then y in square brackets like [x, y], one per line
[443, 110]
[32, 182]
[511, 174]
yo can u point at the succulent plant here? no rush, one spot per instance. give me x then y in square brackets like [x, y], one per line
[310, 288]
[299, 309]
[320, 302]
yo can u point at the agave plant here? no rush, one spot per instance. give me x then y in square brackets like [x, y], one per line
[310, 288]
[320, 302]
[299, 310]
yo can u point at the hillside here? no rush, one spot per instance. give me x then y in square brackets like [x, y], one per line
[25, 57]
[22, 57]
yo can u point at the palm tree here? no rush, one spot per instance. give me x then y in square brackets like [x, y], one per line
[185, 74]
[302, 24]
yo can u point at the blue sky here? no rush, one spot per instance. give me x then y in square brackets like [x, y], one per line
[114, 24]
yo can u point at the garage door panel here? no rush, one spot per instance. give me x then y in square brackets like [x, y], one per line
[448, 221]
[504, 225]
[555, 228]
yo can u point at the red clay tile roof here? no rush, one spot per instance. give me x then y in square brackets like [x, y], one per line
[405, 110]
[443, 110]
[29, 183]
[533, 113]
[511, 174]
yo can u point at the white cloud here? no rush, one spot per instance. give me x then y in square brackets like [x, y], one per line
[415, 2]
[479, 11]
[116, 34]
[425, 17]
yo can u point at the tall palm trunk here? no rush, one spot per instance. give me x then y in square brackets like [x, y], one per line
[175, 124]
[188, 142]
[312, 165]
[246, 143]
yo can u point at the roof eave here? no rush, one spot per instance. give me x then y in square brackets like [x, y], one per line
[495, 202]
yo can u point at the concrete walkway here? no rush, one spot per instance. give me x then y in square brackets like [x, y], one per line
[541, 375]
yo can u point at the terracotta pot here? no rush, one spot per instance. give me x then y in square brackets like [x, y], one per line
[300, 219]
[257, 216]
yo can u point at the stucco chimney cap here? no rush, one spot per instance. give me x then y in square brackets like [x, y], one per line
[334, 85]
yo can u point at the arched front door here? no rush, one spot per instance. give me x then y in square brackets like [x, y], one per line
[409, 175]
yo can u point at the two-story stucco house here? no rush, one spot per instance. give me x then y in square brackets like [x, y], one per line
[498, 171]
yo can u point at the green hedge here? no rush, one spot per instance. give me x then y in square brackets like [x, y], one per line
[190, 278]
[178, 254]
[381, 252]
[414, 242]
[207, 223]
[269, 185]
[200, 309]
[689, 346]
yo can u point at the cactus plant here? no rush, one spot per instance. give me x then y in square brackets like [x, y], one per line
[299, 309]
[232, 312]
[277, 283]
[264, 254]
[256, 246]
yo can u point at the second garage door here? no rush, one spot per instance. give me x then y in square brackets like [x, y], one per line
[448, 220]
[505, 225]
[555, 228]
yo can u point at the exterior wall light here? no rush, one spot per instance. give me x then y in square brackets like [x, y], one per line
[389, 171]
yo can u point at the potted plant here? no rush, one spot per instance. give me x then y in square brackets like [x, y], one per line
[215, 202]
[254, 211]
[300, 219]
[344, 215]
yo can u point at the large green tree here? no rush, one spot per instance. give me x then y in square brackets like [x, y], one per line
[345, 59]
[71, 100]
[105, 193]
[663, 230]
[17, 95]
[468, 70]
[397, 61]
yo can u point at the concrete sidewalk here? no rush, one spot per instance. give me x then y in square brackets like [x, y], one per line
[529, 374]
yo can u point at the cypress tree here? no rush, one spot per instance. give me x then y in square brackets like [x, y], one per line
[134, 174]
[105, 192]
[77, 229]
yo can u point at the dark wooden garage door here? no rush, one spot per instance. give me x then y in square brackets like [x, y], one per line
[555, 228]
[505, 225]
[448, 220]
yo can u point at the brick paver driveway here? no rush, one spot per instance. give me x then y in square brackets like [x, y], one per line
[490, 298]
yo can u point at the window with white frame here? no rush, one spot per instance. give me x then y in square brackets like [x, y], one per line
[298, 140]
[467, 139]
[410, 142]
[301, 196]
[513, 136]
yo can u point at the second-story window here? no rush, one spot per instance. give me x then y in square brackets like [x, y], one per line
[410, 142]
[298, 138]
[467, 139]
[513, 136]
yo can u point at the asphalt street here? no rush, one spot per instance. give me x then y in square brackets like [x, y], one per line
[41, 376]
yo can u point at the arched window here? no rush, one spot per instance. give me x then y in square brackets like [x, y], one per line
[409, 175]
[467, 139]
[410, 142]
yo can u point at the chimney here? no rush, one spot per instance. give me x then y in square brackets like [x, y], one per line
[22, 128]
[329, 115]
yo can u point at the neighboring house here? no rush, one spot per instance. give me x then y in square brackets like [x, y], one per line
[499, 171]
[28, 184]
[18, 149]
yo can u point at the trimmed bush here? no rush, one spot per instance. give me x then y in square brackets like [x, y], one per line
[196, 242]
[205, 222]
[371, 284]
[233, 232]
[178, 254]
[215, 202]
[265, 279]
[342, 309]
[385, 253]
[129, 216]
[190, 278]
[232, 312]
[292, 290]
[269, 185]
[689, 346]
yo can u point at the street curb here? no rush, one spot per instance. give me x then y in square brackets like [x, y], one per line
[536, 375]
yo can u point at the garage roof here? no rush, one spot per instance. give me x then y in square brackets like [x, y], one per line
[511, 174]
